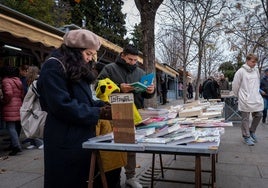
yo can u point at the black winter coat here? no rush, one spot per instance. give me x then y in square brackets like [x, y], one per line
[211, 89]
[120, 72]
[72, 117]
[264, 86]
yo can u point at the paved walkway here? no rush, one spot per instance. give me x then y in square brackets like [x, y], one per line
[239, 165]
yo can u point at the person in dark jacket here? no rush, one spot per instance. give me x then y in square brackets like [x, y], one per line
[164, 91]
[190, 90]
[211, 89]
[264, 94]
[223, 83]
[123, 72]
[66, 96]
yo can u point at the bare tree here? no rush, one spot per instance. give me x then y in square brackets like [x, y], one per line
[246, 29]
[176, 42]
[191, 24]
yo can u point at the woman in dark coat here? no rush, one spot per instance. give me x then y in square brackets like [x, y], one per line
[72, 113]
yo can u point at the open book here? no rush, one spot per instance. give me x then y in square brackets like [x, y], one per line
[144, 82]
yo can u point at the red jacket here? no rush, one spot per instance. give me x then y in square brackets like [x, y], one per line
[13, 97]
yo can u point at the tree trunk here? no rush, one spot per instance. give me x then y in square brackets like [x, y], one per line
[147, 9]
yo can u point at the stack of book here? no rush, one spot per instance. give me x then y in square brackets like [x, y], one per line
[153, 112]
[207, 137]
[182, 136]
[169, 132]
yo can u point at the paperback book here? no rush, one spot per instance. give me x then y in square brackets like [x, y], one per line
[145, 132]
[154, 140]
[166, 130]
[144, 82]
[182, 136]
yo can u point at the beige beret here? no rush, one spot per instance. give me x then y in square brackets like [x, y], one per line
[82, 38]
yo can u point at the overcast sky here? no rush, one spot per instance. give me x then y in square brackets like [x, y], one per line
[133, 15]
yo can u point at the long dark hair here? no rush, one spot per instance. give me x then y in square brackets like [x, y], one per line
[76, 68]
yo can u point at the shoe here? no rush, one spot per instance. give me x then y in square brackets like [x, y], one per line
[248, 141]
[132, 182]
[263, 121]
[30, 147]
[14, 151]
[253, 137]
[41, 147]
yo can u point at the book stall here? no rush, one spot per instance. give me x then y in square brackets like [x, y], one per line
[192, 129]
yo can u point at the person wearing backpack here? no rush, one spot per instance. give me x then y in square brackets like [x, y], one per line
[72, 113]
[12, 101]
[31, 77]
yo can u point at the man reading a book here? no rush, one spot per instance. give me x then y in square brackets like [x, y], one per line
[123, 72]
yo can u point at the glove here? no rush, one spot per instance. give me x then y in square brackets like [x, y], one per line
[106, 113]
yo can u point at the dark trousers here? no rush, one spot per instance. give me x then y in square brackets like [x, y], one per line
[164, 97]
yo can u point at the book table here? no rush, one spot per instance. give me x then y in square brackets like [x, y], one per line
[195, 151]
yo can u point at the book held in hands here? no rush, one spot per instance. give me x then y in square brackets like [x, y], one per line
[144, 82]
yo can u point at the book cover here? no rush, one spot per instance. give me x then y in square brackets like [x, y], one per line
[144, 82]
[147, 79]
[166, 130]
[210, 145]
[145, 132]
[154, 140]
[138, 86]
[182, 136]
[183, 141]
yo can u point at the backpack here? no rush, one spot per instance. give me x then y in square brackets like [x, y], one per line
[31, 115]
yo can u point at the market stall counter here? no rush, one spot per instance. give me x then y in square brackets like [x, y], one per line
[196, 151]
[196, 132]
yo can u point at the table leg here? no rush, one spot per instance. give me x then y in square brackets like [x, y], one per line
[161, 165]
[92, 169]
[152, 177]
[103, 177]
[213, 170]
[198, 181]
[96, 155]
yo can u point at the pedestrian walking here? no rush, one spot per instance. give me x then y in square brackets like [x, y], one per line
[246, 85]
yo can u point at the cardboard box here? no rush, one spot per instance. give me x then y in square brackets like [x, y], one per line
[124, 131]
[123, 118]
